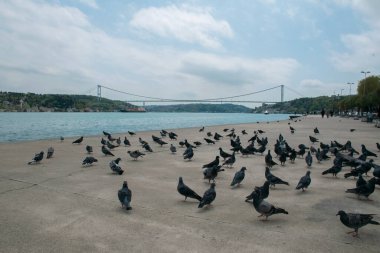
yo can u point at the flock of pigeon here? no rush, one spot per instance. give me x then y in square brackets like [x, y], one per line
[342, 155]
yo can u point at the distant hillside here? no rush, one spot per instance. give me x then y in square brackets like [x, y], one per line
[302, 105]
[30, 102]
[215, 108]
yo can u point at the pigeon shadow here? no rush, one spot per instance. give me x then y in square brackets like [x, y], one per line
[206, 208]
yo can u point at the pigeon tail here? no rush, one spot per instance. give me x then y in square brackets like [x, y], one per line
[374, 222]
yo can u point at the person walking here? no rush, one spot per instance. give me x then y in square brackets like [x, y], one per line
[323, 113]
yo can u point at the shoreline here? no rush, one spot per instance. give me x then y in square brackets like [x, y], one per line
[59, 205]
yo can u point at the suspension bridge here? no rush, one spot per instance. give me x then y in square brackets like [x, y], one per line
[240, 98]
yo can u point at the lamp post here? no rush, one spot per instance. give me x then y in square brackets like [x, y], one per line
[350, 87]
[365, 73]
[341, 91]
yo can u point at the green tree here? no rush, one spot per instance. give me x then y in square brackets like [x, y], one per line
[369, 93]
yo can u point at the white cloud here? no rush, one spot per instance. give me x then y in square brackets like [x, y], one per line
[362, 50]
[192, 25]
[48, 48]
[312, 83]
[90, 3]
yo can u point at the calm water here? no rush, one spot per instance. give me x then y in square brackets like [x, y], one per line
[36, 126]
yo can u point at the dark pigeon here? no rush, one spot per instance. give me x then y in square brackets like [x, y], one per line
[209, 141]
[37, 158]
[208, 197]
[186, 191]
[125, 196]
[224, 154]
[239, 176]
[366, 152]
[364, 190]
[131, 133]
[126, 141]
[264, 208]
[262, 191]
[202, 129]
[304, 182]
[89, 160]
[106, 152]
[211, 173]
[215, 162]
[78, 141]
[356, 221]
[89, 149]
[273, 179]
[188, 154]
[308, 159]
[316, 131]
[230, 161]
[313, 139]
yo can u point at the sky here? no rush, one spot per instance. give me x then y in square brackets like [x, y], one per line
[194, 49]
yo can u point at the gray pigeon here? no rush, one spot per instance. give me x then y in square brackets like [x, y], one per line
[308, 159]
[89, 149]
[50, 152]
[89, 160]
[356, 221]
[304, 182]
[273, 180]
[262, 191]
[125, 196]
[364, 190]
[239, 176]
[135, 154]
[186, 191]
[264, 208]
[208, 197]
[173, 149]
[188, 154]
[115, 167]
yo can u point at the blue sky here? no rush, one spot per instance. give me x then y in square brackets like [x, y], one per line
[188, 49]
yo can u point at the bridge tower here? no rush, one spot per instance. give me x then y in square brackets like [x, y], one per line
[99, 92]
[282, 93]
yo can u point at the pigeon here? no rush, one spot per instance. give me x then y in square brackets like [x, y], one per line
[211, 173]
[186, 191]
[106, 152]
[103, 141]
[361, 181]
[147, 147]
[239, 176]
[316, 131]
[230, 161]
[269, 160]
[244, 132]
[263, 191]
[224, 154]
[352, 129]
[225, 129]
[304, 181]
[37, 158]
[142, 142]
[209, 141]
[62, 138]
[264, 208]
[181, 143]
[308, 159]
[118, 141]
[356, 221]
[197, 143]
[217, 136]
[131, 133]
[188, 154]
[173, 136]
[376, 170]
[366, 152]
[126, 142]
[273, 180]
[135, 154]
[115, 167]
[125, 196]
[378, 146]
[78, 141]
[208, 197]
[313, 139]
[293, 155]
[110, 145]
[261, 131]
[335, 169]
[106, 133]
[282, 158]
[213, 163]
[160, 142]
[202, 129]
[89, 160]
[50, 152]
[364, 190]
[89, 149]
[209, 134]
[172, 149]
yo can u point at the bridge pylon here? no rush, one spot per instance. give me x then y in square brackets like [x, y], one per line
[99, 92]
[282, 93]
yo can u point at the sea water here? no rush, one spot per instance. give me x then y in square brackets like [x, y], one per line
[19, 126]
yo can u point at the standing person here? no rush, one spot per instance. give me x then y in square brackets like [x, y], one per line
[331, 113]
[323, 113]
